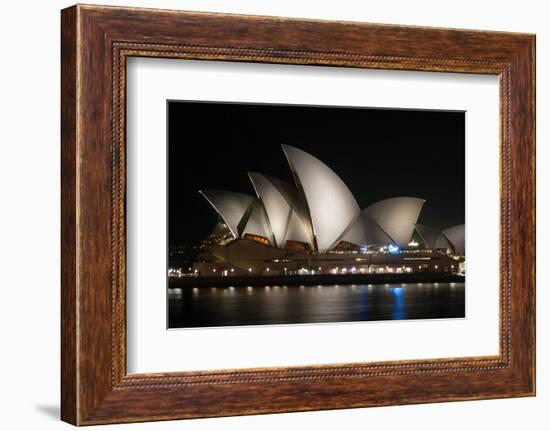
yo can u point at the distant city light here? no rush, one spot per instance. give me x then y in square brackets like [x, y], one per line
[393, 248]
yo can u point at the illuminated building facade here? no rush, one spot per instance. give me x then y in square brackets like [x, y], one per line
[317, 227]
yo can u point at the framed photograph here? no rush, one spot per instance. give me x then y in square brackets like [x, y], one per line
[266, 215]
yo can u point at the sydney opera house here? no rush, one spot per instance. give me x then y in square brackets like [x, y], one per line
[316, 227]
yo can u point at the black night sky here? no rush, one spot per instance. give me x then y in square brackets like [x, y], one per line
[378, 153]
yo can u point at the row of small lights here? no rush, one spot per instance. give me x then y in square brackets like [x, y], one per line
[335, 270]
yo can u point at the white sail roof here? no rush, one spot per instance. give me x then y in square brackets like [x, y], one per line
[443, 242]
[257, 222]
[283, 211]
[364, 232]
[299, 228]
[331, 205]
[231, 206]
[397, 217]
[456, 235]
[433, 237]
[321, 212]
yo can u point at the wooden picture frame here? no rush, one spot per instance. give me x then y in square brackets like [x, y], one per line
[95, 43]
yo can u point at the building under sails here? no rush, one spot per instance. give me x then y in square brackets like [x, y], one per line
[315, 226]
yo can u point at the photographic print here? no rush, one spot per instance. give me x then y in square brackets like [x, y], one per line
[294, 214]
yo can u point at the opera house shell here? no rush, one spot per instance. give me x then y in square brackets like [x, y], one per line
[317, 216]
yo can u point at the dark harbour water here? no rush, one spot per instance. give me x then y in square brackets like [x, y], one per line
[232, 306]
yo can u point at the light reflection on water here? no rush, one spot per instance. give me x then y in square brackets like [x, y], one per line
[399, 303]
[248, 305]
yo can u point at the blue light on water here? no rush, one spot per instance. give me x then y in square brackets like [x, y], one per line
[398, 291]
[399, 312]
